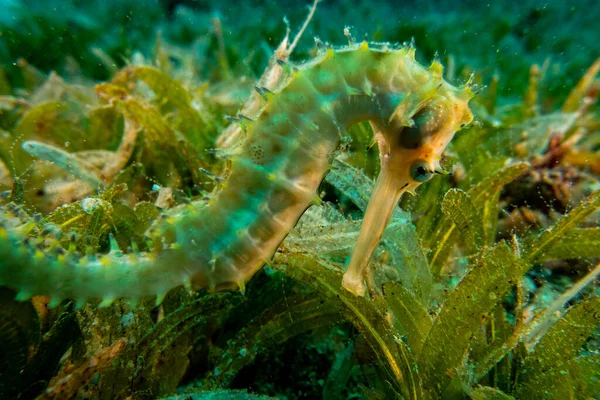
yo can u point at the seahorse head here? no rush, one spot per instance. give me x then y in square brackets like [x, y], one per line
[427, 112]
[412, 142]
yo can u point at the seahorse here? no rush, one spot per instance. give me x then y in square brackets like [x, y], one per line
[274, 177]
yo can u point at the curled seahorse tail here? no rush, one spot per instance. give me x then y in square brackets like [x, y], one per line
[192, 247]
[33, 268]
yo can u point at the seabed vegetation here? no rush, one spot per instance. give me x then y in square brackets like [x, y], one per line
[483, 286]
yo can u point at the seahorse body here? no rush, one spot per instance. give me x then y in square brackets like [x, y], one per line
[274, 178]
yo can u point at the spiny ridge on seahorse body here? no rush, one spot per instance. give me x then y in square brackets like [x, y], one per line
[274, 178]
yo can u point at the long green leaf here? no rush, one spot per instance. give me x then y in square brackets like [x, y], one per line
[564, 340]
[190, 121]
[577, 380]
[393, 355]
[172, 326]
[401, 239]
[556, 367]
[578, 243]
[411, 319]
[425, 207]
[532, 331]
[537, 246]
[457, 206]
[489, 216]
[442, 243]
[487, 343]
[352, 182]
[464, 311]
[284, 320]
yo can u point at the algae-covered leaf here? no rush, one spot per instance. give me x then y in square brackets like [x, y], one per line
[145, 213]
[4, 85]
[157, 354]
[129, 225]
[124, 222]
[110, 91]
[536, 246]
[481, 194]
[167, 155]
[411, 319]
[410, 263]
[357, 186]
[486, 194]
[489, 218]
[114, 193]
[84, 374]
[352, 182]
[457, 206]
[565, 339]
[488, 393]
[46, 360]
[531, 332]
[104, 123]
[167, 89]
[486, 188]
[41, 121]
[37, 122]
[527, 138]
[577, 243]
[157, 130]
[557, 365]
[477, 157]
[52, 121]
[323, 230]
[578, 378]
[464, 311]
[86, 219]
[185, 318]
[488, 349]
[425, 207]
[6, 180]
[190, 121]
[287, 318]
[369, 317]
[67, 161]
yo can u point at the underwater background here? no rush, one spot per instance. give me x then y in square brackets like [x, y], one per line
[487, 280]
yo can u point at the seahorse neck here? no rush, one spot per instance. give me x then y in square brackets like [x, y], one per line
[355, 108]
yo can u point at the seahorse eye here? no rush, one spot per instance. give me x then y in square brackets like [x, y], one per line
[420, 172]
